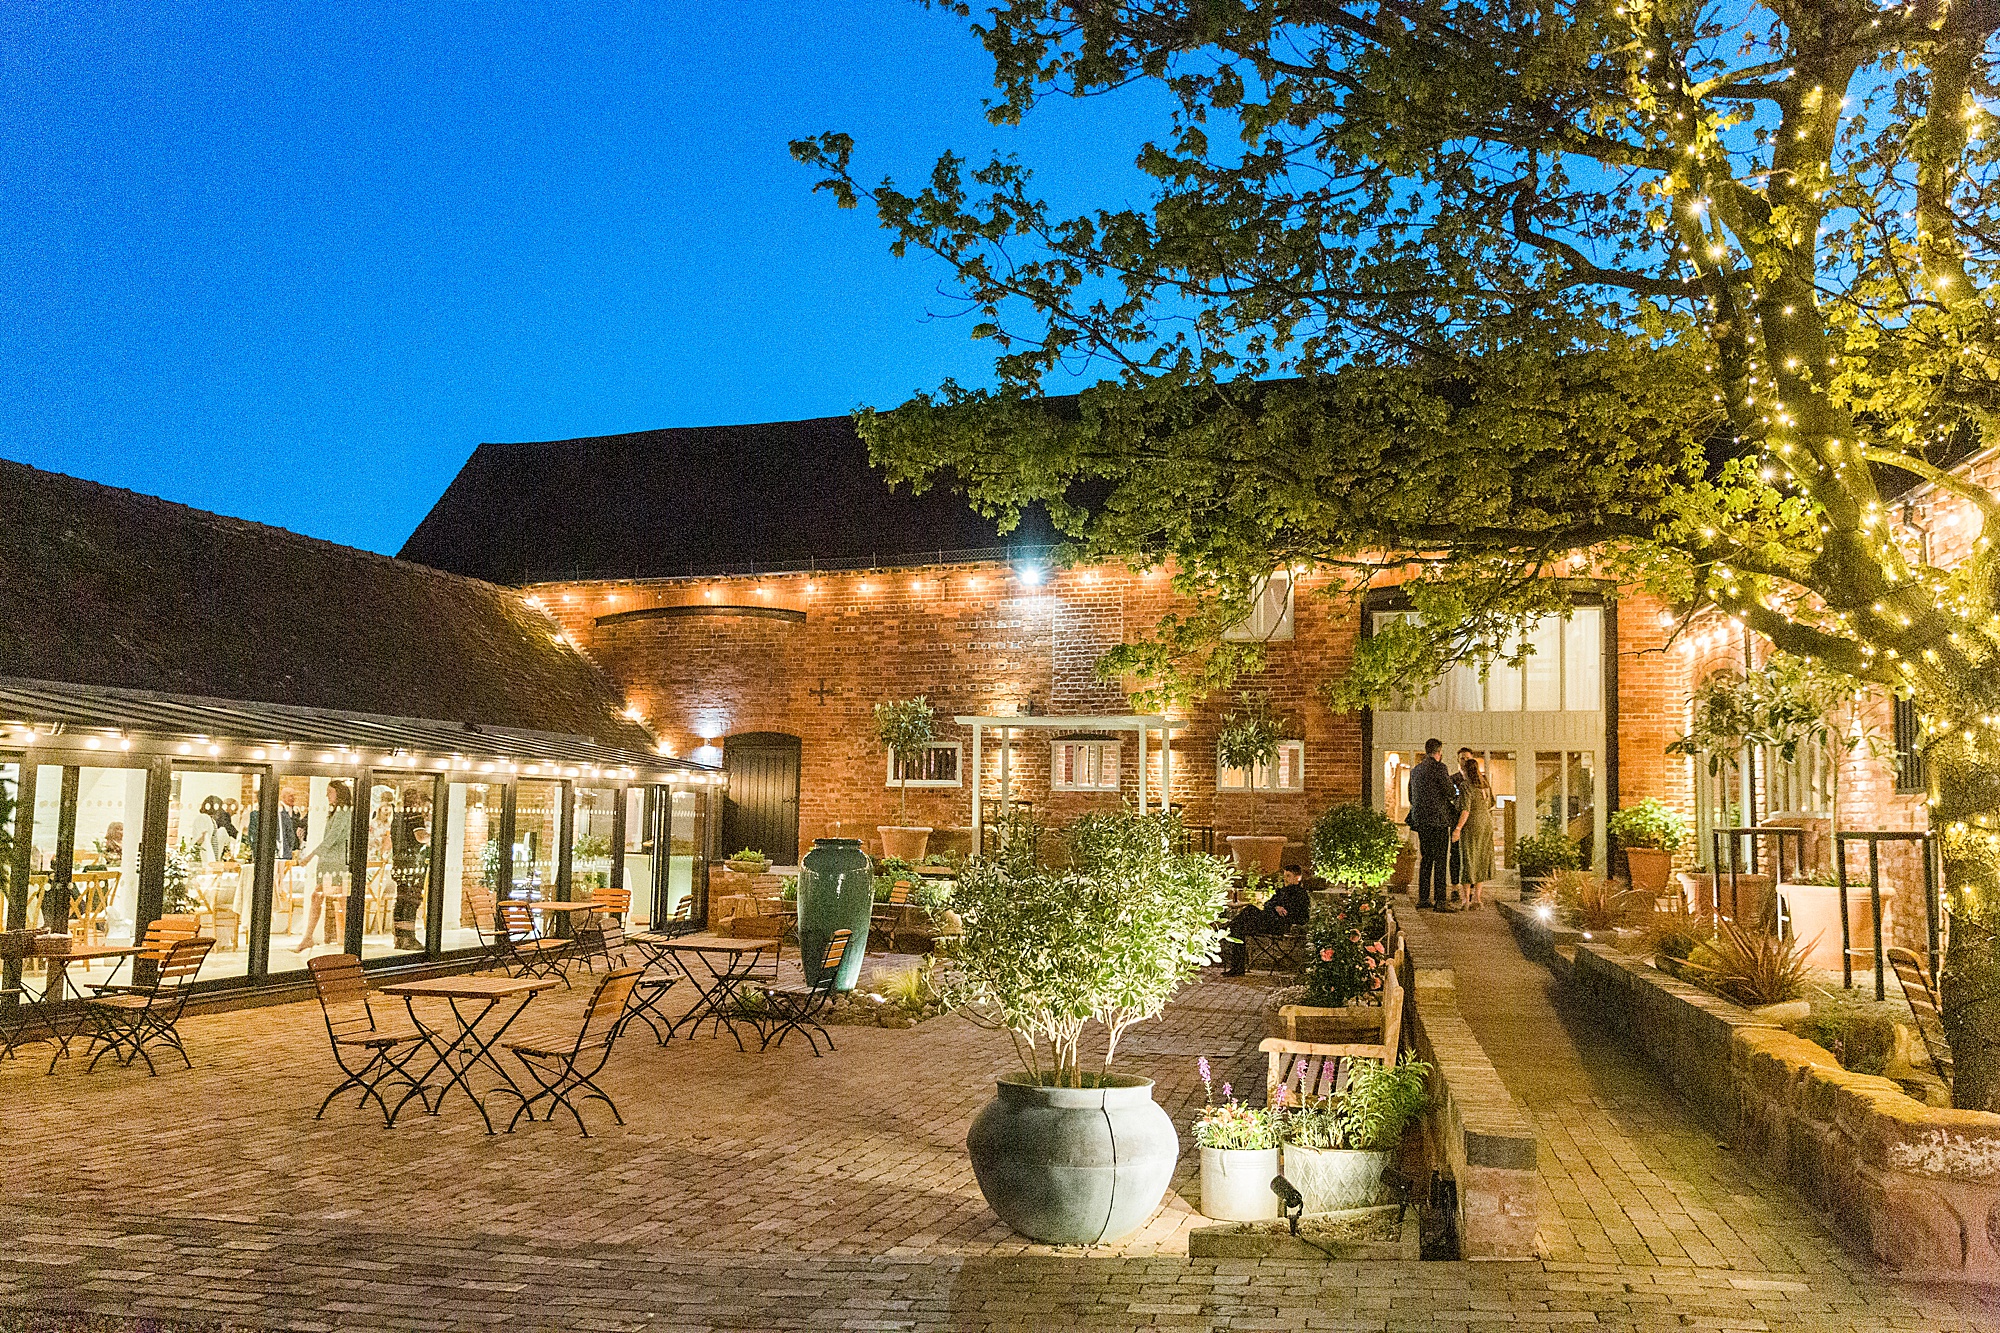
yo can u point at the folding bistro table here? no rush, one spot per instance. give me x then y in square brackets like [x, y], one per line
[730, 964]
[458, 1052]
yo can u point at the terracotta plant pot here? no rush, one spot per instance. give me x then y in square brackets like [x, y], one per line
[900, 843]
[1257, 853]
[1649, 868]
[1405, 873]
[1814, 910]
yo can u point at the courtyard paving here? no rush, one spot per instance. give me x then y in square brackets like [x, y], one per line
[775, 1191]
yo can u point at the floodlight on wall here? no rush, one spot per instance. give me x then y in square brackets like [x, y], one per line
[185, 748]
[1030, 575]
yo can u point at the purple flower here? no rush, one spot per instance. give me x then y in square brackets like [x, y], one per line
[1202, 1065]
[1226, 1093]
[1284, 1090]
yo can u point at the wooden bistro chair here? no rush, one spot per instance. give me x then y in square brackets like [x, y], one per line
[602, 933]
[368, 1051]
[566, 1070]
[529, 954]
[1915, 977]
[680, 921]
[128, 1024]
[800, 1008]
[160, 938]
[888, 914]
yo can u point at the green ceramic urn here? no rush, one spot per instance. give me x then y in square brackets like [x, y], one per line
[836, 892]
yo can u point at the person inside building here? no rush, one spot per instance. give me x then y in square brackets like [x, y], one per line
[1287, 907]
[1433, 815]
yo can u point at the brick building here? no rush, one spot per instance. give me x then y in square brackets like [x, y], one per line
[757, 590]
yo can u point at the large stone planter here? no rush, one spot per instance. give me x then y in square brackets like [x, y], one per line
[1331, 1179]
[1236, 1184]
[1815, 914]
[1073, 1166]
[1650, 869]
[904, 842]
[836, 892]
[1257, 853]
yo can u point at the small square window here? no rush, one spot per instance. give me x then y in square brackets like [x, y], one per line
[1083, 766]
[1288, 773]
[935, 766]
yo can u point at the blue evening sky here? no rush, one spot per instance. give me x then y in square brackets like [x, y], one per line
[292, 261]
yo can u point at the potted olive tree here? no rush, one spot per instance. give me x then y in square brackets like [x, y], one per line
[1650, 833]
[1336, 1151]
[905, 728]
[1067, 1154]
[1249, 740]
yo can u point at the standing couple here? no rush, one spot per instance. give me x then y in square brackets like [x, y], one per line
[1452, 814]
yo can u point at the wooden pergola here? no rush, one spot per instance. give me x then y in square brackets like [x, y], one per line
[1144, 724]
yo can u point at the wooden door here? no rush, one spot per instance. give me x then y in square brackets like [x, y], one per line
[760, 809]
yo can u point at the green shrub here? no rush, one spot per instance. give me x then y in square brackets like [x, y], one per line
[1862, 1043]
[1344, 964]
[1649, 826]
[1749, 967]
[1355, 847]
[1543, 853]
[1379, 1104]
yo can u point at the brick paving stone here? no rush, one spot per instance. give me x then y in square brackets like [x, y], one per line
[778, 1191]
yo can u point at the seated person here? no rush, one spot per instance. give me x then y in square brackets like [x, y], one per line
[1287, 907]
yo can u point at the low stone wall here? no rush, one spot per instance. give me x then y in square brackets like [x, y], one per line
[1479, 1130]
[1916, 1187]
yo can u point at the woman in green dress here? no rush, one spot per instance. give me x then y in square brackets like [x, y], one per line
[1475, 830]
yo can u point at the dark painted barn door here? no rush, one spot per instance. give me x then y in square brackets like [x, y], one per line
[761, 809]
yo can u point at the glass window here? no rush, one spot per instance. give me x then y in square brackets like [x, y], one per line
[639, 805]
[472, 855]
[1084, 766]
[537, 810]
[1583, 659]
[1288, 773]
[935, 766]
[1503, 679]
[1270, 617]
[104, 870]
[590, 849]
[211, 847]
[319, 878]
[11, 918]
[400, 820]
[685, 834]
[1541, 674]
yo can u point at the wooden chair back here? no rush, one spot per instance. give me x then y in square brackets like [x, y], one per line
[485, 919]
[610, 935]
[343, 993]
[167, 931]
[517, 921]
[612, 902]
[899, 893]
[836, 949]
[607, 1006]
[1915, 976]
[178, 969]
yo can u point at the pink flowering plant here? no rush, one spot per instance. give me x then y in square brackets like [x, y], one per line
[1235, 1124]
[1344, 963]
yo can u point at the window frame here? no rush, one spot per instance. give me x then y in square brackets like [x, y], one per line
[1283, 629]
[1113, 767]
[957, 767]
[1298, 749]
[1907, 732]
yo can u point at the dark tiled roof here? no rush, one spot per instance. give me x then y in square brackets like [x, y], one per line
[100, 586]
[693, 500]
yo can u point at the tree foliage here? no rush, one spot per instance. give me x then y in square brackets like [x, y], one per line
[1475, 293]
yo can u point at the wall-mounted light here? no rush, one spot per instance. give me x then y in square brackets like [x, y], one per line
[1030, 575]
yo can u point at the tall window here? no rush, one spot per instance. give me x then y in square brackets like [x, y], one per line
[1563, 670]
[1270, 617]
[211, 844]
[1084, 766]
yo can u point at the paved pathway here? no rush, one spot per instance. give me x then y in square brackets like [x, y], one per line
[781, 1191]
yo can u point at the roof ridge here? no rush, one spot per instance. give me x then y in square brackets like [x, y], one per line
[667, 430]
[250, 525]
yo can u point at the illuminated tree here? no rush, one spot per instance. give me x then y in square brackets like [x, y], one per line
[1460, 293]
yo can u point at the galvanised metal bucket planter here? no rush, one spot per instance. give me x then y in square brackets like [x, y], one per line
[1332, 1179]
[1236, 1184]
[836, 892]
[1073, 1166]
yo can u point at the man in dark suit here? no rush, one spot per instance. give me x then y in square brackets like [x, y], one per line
[1289, 906]
[1433, 812]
